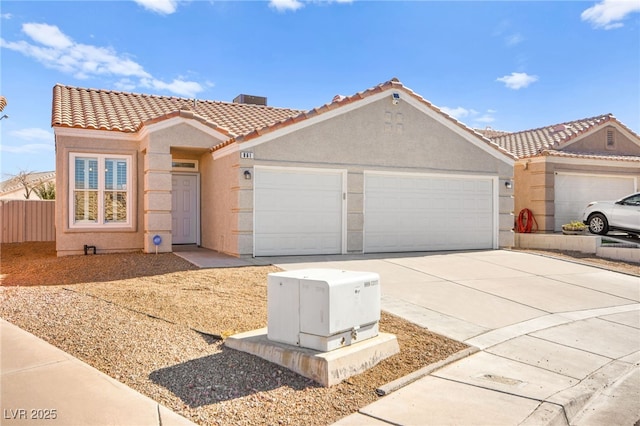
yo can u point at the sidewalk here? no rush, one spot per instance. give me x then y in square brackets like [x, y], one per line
[40, 384]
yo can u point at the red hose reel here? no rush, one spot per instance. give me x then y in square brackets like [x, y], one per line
[526, 222]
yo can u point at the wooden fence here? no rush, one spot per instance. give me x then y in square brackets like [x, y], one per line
[27, 220]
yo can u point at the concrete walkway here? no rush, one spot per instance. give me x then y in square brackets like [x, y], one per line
[43, 385]
[559, 341]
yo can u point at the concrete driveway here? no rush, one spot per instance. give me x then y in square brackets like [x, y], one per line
[559, 341]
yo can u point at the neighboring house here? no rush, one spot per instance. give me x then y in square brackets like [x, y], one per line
[380, 171]
[562, 167]
[13, 189]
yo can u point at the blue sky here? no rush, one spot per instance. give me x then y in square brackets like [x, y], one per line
[508, 65]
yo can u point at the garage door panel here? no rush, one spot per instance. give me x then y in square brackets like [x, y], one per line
[297, 212]
[416, 213]
[574, 191]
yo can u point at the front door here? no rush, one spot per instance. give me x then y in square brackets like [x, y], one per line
[184, 212]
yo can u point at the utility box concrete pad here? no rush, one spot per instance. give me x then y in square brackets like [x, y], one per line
[322, 309]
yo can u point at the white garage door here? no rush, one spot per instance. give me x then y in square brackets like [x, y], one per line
[297, 211]
[423, 213]
[574, 191]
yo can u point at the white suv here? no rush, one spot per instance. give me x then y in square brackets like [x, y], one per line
[622, 215]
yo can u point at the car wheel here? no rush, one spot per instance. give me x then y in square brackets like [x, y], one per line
[598, 224]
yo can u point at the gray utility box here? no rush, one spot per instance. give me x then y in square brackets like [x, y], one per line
[322, 309]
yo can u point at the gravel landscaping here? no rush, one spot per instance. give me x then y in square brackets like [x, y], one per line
[153, 322]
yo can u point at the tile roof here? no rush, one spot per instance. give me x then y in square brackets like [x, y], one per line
[13, 183]
[340, 101]
[533, 142]
[491, 133]
[3, 103]
[129, 112]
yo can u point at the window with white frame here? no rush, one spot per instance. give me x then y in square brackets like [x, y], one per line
[100, 193]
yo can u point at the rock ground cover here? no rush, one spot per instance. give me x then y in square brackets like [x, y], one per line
[151, 321]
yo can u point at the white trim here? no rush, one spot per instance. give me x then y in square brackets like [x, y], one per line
[311, 121]
[198, 229]
[408, 98]
[427, 174]
[142, 133]
[613, 162]
[601, 175]
[193, 122]
[603, 127]
[227, 150]
[495, 202]
[476, 141]
[312, 170]
[100, 220]
[95, 134]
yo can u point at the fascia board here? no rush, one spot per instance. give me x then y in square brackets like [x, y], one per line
[301, 125]
[174, 121]
[227, 150]
[459, 131]
[602, 126]
[581, 161]
[95, 134]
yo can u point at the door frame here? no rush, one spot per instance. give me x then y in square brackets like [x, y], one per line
[343, 214]
[495, 196]
[198, 230]
[557, 227]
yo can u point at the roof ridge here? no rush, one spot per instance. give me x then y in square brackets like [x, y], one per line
[340, 101]
[606, 116]
[175, 98]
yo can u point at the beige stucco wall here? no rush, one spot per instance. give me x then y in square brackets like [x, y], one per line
[376, 136]
[176, 139]
[535, 180]
[597, 143]
[220, 210]
[71, 241]
[152, 153]
[535, 177]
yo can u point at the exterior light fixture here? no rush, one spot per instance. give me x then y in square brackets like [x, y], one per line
[507, 184]
[395, 98]
[247, 175]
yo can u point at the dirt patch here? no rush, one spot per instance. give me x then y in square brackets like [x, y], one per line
[135, 316]
[28, 264]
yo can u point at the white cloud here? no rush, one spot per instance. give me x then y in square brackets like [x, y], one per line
[6, 16]
[608, 13]
[486, 118]
[514, 39]
[164, 7]
[49, 35]
[32, 133]
[456, 113]
[284, 5]
[518, 80]
[55, 50]
[33, 148]
[471, 114]
[180, 87]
